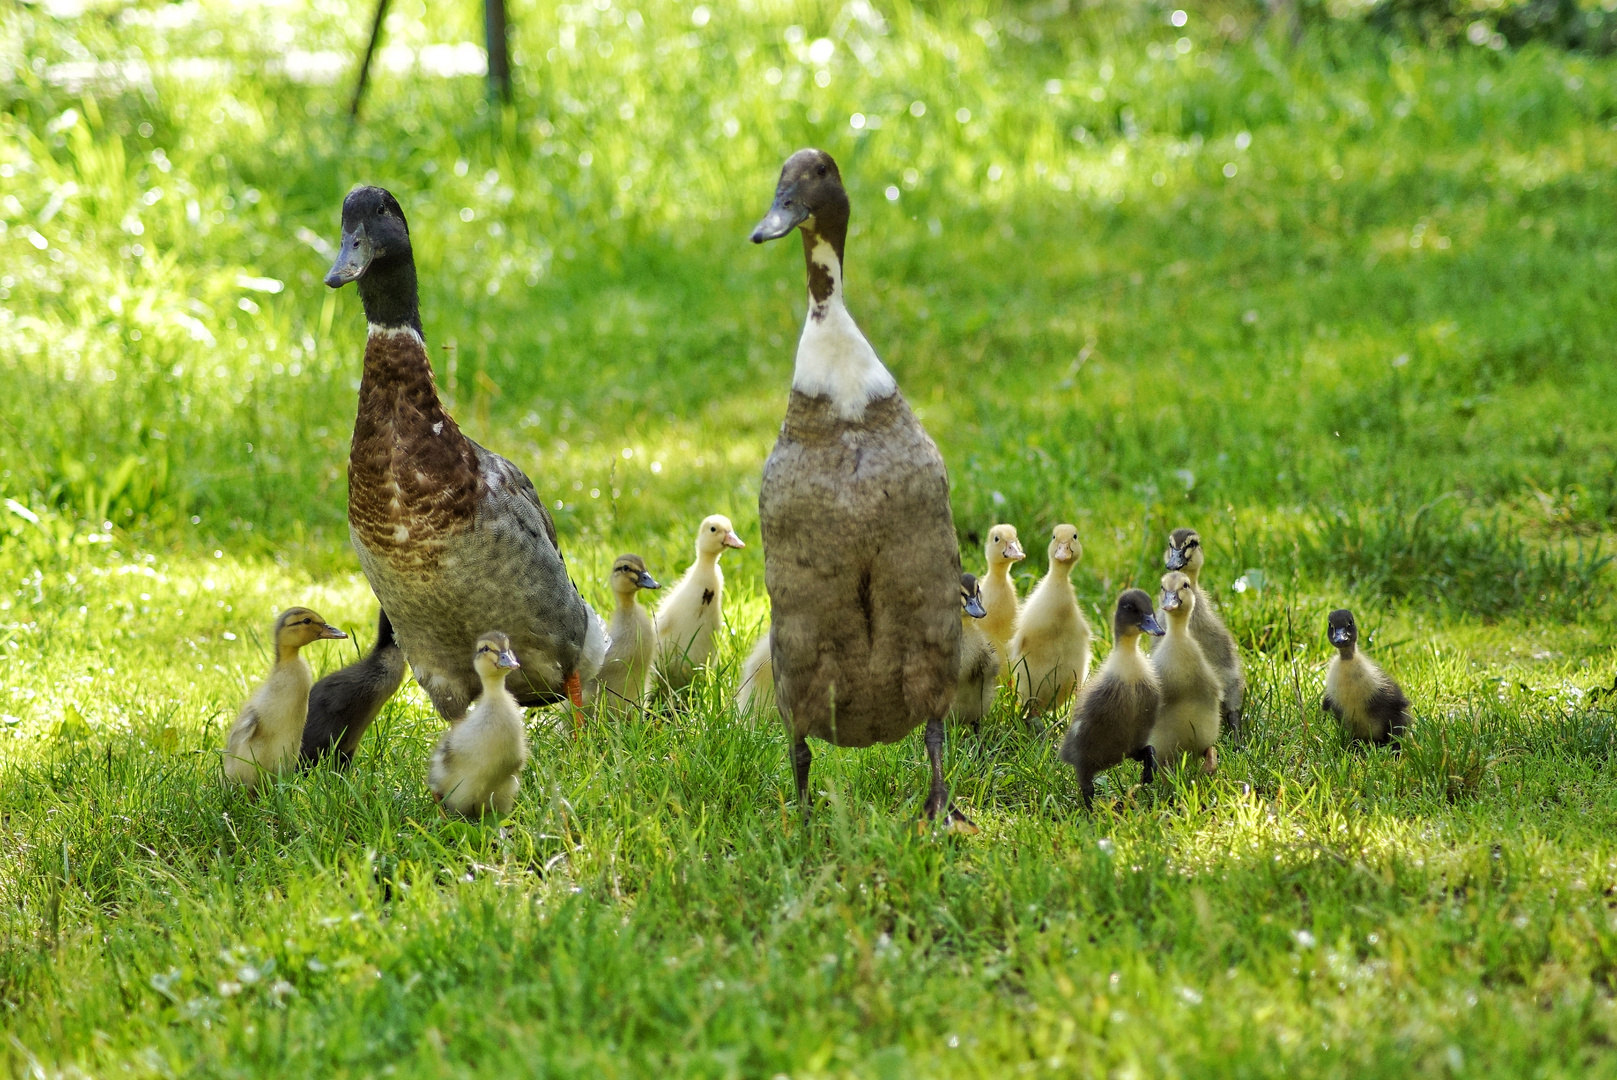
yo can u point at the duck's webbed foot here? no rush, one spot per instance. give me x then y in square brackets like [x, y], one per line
[1210, 760]
[1147, 757]
[938, 807]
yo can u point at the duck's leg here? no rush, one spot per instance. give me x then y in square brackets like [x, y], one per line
[802, 758]
[1210, 761]
[1147, 757]
[937, 800]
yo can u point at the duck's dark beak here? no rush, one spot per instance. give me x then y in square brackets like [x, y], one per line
[507, 659]
[353, 260]
[787, 214]
[1175, 559]
[974, 608]
[332, 632]
[1170, 600]
[646, 581]
[1340, 636]
[1150, 625]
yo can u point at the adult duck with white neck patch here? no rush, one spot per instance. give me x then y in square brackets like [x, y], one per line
[453, 538]
[860, 558]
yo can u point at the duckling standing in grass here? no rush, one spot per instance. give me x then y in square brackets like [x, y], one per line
[979, 663]
[1116, 710]
[343, 704]
[1050, 650]
[1002, 551]
[622, 682]
[1218, 644]
[694, 609]
[269, 730]
[1192, 692]
[756, 693]
[476, 765]
[1366, 701]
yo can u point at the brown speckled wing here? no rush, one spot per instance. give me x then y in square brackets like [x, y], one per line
[863, 573]
[519, 484]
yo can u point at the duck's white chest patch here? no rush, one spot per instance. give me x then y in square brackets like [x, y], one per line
[833, 358]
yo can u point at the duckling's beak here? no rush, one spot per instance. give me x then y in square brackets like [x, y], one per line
[732, 540]
[786, 215]
[353, 260]
[1064, 552]
[974, 608]
[1014, 552]
[1170, 601]
[507, 659]
[646, 581]
[1340, 636]
[331, 632]
[1150, 625]
[1175, 559]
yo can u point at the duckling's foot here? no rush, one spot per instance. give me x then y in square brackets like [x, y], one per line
[1210, 761]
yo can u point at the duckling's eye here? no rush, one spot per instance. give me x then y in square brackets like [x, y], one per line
[713, 528]
[822, 170]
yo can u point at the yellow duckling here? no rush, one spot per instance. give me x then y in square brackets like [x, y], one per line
[268, 734]
[476, 765]
[1366, 701]
[1002, 551]
[693, 611]
[1188, 719]
[621, 685]
[979, 663]
[756, 694]
[1050, 650]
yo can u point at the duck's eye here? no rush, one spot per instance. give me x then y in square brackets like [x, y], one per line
[822, 170]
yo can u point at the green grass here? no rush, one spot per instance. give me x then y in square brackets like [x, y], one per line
[1373, 366]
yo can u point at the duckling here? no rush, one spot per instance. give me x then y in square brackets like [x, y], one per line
[268, 731]
[477, 763]
[1218, 644]
[1192, 692]
[622, 682]
[979, 663]
[860, 556]
[1116, 710]
[1002, 550]
[1366, 701]
[693, 610]
[1050, 650]
[343, 704]
[452, 537]
[756, 693]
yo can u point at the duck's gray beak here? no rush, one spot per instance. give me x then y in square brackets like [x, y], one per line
[1150, 625]
[787, 214]
[507, 659]
[353, 260]
[1339, 635]
[1170, 600]
[332, 632]
[1175, 559]
[974, 608]
[646, 581]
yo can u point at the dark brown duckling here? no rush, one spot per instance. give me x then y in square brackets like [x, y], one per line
[979, 662]
[860, 557]
[343, 705]
[1370, 706]
[1117, 707]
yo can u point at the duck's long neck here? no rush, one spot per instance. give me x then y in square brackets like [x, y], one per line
[833, 358]
[286, 654]
[1179, 622]
[398, 377]
[626, 601]
[388, 291]
[1000, 570]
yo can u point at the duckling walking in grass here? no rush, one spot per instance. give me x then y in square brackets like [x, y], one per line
[1366, 701]
[1218, 644]
[1116, 710]
[622, 683]
[979, 663]
[343, 704]
[1192, 692]
[269, 730]
[693, 611]
[476, 766]
[1050, 650]
[1002, 551]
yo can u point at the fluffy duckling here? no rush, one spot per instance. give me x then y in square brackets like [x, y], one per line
[343, 704]
[1002, 551]
[1365, 699]
[1192, 692]
[979, 663]
[1116, 710]
[694, 609]
[1218, 644]
[269, 730]
[756, 694]
[476, 765]
[1050, 650]
[622, 682]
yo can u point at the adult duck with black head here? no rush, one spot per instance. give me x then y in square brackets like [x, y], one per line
[452, 537]
[860, 558]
